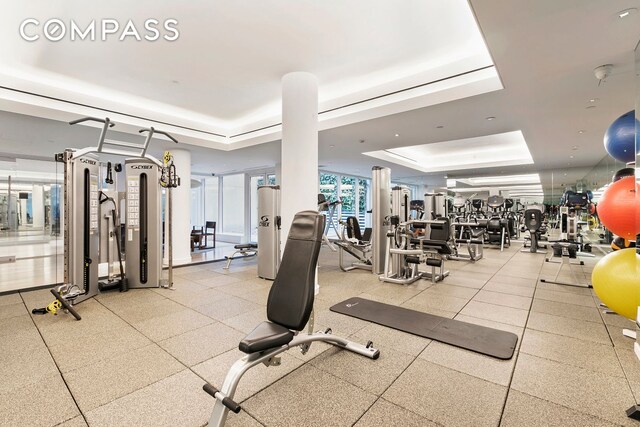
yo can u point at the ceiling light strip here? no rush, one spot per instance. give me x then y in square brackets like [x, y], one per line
[106, 110]
[377, 97]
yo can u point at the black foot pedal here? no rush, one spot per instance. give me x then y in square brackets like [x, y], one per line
[634, 412]
[230, 404]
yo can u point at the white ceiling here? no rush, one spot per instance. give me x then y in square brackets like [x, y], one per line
[505, 149]
[544, 51]
[221, 78]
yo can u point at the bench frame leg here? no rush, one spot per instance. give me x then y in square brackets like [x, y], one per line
[245, 253]
[240, 367]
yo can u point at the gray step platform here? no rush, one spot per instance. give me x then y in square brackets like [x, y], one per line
[489, 341]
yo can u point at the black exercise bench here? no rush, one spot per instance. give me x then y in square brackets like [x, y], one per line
[244, 249]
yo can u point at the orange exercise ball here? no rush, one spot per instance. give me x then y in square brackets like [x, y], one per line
[618, 208]
[616, 280]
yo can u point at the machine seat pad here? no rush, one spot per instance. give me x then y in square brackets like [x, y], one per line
[265, 336]
[440, 245]
[246, 246]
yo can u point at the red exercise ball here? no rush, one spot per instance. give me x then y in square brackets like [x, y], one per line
[618, 208]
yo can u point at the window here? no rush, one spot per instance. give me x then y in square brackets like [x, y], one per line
[233, 204]
[363, 203]
[256, 181]
[196, 203]
[211, 199]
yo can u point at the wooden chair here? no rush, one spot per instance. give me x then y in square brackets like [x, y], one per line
[209, 225]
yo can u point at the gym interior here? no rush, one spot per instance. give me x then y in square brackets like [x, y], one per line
[320, 213]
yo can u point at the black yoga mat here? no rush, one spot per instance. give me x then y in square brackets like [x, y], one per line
[489, 341]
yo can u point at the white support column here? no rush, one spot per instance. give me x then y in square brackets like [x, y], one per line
[181, 220]
[37, 206]
[278, 173]
[299, 166]
[23, 211]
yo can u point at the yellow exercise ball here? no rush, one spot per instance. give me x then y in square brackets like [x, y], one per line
[616, 280]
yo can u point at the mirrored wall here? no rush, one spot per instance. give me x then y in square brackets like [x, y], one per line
[31, 209]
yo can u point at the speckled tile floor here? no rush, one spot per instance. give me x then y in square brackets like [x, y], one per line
[140, 358]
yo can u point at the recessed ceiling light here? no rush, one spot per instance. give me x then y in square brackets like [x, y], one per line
[331, 146]
[627, 12]
[397, 135]
[590, 107]
[575, 147]
[565, 174]
[571, 157]
[490, 118]
[498, 150]
[593, 99]
[581, 131]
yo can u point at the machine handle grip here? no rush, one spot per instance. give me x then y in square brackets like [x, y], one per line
[154, 131]
[229, 403]
[92, 119]
[65, 304]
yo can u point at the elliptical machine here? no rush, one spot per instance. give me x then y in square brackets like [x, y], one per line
[497, 227]
[533, 222]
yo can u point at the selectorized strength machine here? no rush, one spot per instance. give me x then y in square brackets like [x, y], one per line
[289, 309]
[411, 243]
[368, 248]
[268, 234]
[83, 198]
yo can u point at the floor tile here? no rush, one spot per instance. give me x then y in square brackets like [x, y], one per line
[499, 298]
[175, 323]
[524, 291]
[12, 310]
[174, 401]
[10, 299]
[447, 397]
[437, 301]
[123, 374]
[38, 406]
[565, 297]
[14, 326]
[295, 401]
[451, 290]
[74, 422]
[247, 322]
[384, 413]
[589, 331]
[562, 309]
[524, 410]
[390, 292]
[385, 337]
[529, 282]
[75, 353]
[582, 354]
[139, 311]
[24, 359]
[212, 280]
[498, 313]
[225, 308]
[194, 299]
[580, 389]
[469, 362]
[201, 344]
[374, 376]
